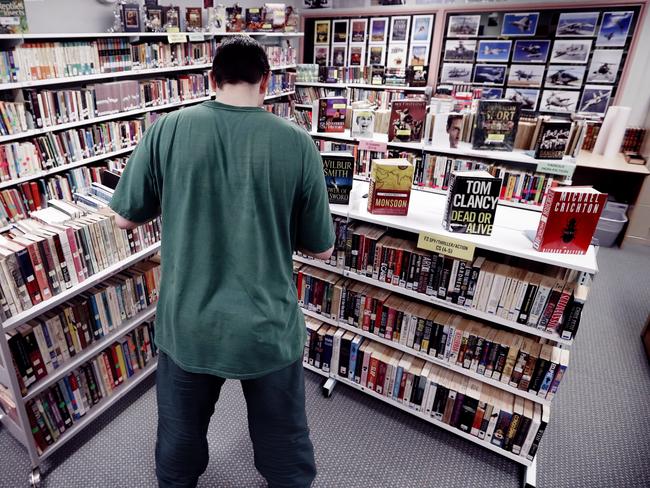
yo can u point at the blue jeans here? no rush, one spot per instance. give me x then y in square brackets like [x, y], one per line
[277, 423]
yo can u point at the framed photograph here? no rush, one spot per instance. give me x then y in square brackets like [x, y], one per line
[595, 99]
[396, 57]
[422, 28]
[489, 93]
[521, 24]
[526, 75]
[577, 24]
[322, 32]
[357, 55]
[358, 30]
[321, 55]
[531, 51]
[525, 96]
[309, 4]
[614, 29]
[339, 54]
[340, 29]
[418, 55]
[378, 30]
[463, 25]
[193, 19]
[399, 28]
[571, 51]
[156, 18]
[376, 55]
[498, 51]
[456, 73]
[559, 101]
[494, 74]
[604, 65]
[565, 76]
[172, 18]
[460, 50]
[131, 16]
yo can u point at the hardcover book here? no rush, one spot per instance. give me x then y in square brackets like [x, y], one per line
[338, 168]
[363, 123]
[407, 120]
[390, 186]
[13, 19]
[235, 20]
[496, 125]
[331, 114]
[416, 75]
[193, 19]
[569, 219]
[552, 139]
[254, 19]
[471, 202]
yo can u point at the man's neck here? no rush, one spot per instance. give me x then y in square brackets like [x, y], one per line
[239, 95]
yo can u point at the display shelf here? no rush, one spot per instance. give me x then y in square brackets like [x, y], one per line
[64, 167]
[84, 35]
[12, 426]
[101, 407]
[303, 105]
[90, 352]
[381, 138]
[315, 369]
[66, 295]
[320, 84]
[438, 362]
[282, 67]
[5, 228]
[588, 159]
[486, 317]
[101, 76]
[361, 85]
[279, 95]
[103, 118]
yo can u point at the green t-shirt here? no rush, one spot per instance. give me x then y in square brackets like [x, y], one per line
[239, 190]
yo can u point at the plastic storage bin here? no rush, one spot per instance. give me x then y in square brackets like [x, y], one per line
[611, 223]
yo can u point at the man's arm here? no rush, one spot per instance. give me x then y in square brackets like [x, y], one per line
[125, 224]
[325, 255]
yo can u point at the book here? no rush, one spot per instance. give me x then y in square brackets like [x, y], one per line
[331, 114]
[193, 19]
[390, 186]
[471, 202]
[552, 139]
[363, 123]
[338, 168]
[13, 18]
[569, 219]
[496, 125]
[254, 19]
[406, 120]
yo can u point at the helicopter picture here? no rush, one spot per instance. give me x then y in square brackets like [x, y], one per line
[577, 24]
[522, 24]
[531, 51]
[573, 51]
[559, 101]
[565, 76]
[604, 65]
[614, 28]
[493, 51]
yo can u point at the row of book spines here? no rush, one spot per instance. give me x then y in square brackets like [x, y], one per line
[512, 359]
[499, 418]
[280, 56]
[156, 55]
[57, 409]
[43, 345]
[280, 82]
[633, 139]
[41, 265]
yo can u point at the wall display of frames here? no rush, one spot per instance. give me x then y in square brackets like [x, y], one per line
[553, 60]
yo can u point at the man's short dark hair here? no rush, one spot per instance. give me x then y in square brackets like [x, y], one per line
[451, 119]
[239, 59]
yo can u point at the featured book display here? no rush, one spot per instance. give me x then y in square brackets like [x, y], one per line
[471, 202]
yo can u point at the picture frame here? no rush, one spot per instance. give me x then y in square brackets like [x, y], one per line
[322, 32]
[574, 51]
[463, 25]
[490, 74]
[604, 65]
[376, 55]
[422, 28]
[131, 17]
[396, 56]
[491, 93]
[339, 55]
[340, 31]
[400, 28]
[358, 30]
[559, 101]
[460, 50]
[534, 51]
[155, 18]
[526, 96]
[565, 76]
[378, 30]
[526, 75]
[418, 55]
[493, 51]
[577, 24]
[614, 29]
[519, 24]
[595, 99]
[172, 18]
[321, 55]
[357, 55]
[456, 73]
[193, 19]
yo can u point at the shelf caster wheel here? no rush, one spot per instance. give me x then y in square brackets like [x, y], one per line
[328, 387]
[35, 478]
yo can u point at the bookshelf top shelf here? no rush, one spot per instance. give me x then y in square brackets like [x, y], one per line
[361, 85]
[88, 35]
[588, 159]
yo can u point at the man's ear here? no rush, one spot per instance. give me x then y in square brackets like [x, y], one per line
[264, 84]
[213, 82]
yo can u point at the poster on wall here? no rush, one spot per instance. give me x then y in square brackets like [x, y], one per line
[531, 51]
[614, 29]
[595, 99]
[604, 65]
[490, 93]
[577, 24]
[399, 28]
[396, 58]
[378, 30]
[357, 55]
[497, 51]
[340, 32]
[559, 101]
[526, 74]
[523, 24]
[460, 50]
[422, 28]
[316, 3]
[456, 73]
[571, 51]
[463, 25]
[358, 30]
[339, 55]
[376, 55]
[565, 76]
[322, 32]
[418, 55]
[321, 55]
[525, 96]
[494, 74]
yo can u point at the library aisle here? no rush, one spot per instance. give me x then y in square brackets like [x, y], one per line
[602, 409]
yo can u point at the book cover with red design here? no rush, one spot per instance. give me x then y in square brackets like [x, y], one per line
[407, 120]
[390, 186]
[569, 219]
[331, 114]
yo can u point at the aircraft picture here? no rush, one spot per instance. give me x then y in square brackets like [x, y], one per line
[604, 65]
[565, 76]
[490, 73]
[493, 51]
[577, 24]
[523, 24]
[463, 25]
[527, 98]
[573, 51]
[614, 29]
[595, 99]
[460, 50]
[489, 93]
[559, 101]
[456, 73]
[526, 75]
[531, 51]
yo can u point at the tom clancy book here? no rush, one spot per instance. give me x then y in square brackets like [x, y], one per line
[338, 168]
[471, 202]
[390, 186]
[496, 125]
[569, 219]
[407, 120]
[331, 114]
[553, 139]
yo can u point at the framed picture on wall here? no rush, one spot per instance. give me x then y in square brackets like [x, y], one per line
[322, 32]
[358, 30]
[460, 50]
[463, 25]
[131, 16]
[489, 93]
[339, 54]
[595, 99]
[357, 55]
[456, 73]
[525, 96]
[321, 55]
[422, 28]
[340, 31]
[531, 51]
[418, 55]
[493, 74]
[571, 51]
[565, 76]
[378, 30]
[614, 29]
[577, 24]
[376, 55]
[497, 51]
[526, 74]
[396, 57]
[522, 24]
[604, 65]
[559, 101]
[399, 28]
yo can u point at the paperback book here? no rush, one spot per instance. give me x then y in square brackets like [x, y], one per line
[390, 186]
[553, 139]
[407, 120]
[471, 202]
[363, 123]
[338, 168]
[331, 114]
[496, 125]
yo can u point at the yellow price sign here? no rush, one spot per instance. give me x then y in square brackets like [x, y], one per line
[446, 245]
[173, 37]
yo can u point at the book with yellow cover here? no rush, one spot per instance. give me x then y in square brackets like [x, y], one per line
[390, 186]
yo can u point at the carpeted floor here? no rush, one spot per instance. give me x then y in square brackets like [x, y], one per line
[599, 435]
